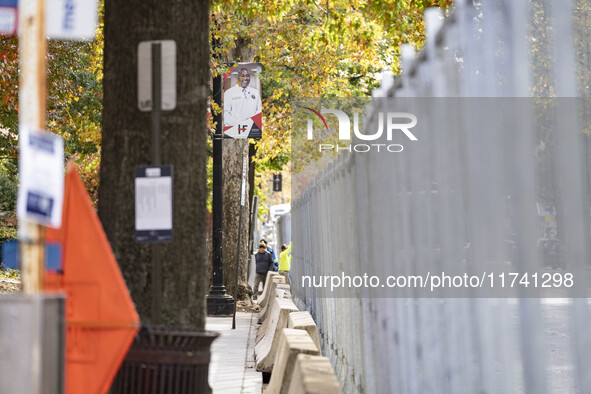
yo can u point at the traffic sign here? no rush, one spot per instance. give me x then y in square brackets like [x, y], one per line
[168, 74]
[277, 180]
[8, 17]
[71, 19]
[101, 319]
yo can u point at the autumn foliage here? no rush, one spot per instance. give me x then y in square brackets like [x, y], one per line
[308, 49]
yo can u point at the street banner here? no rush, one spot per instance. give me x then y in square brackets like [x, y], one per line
[243, 116]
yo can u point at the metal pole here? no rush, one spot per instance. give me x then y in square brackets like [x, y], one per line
[32, 102]
[156, 123]
[156, 101]
[32, 97]
[253, 218]
[242, 201]
[218, 191]
[218, 301]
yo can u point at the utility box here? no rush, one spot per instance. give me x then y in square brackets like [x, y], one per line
[32, 343]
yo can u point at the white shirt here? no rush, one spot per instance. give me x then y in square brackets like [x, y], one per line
[240, 104]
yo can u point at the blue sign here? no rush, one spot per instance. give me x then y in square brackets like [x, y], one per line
[8, 3]
[40, 205]
[10, 256]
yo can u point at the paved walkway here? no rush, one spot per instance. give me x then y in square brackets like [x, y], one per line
[232, 366]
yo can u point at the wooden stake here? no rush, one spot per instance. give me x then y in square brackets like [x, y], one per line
[32, 101]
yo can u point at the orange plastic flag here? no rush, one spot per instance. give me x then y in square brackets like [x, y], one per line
[101, 319]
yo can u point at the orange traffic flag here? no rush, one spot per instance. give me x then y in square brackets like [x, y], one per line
[101, 320]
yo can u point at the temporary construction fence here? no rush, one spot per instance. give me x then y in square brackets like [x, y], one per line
[495, 193]
[283, 230]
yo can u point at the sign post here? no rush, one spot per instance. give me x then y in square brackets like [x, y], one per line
[156, 92]
[219, 303]
[32, 96]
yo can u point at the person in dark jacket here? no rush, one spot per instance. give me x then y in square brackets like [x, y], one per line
[264, 263]
[270, 250]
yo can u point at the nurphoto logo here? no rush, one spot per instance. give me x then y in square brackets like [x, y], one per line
[395, 123]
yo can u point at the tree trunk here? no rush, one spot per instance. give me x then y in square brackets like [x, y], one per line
[232, 154]
[251, 176]
[126, 143]
[232, 174]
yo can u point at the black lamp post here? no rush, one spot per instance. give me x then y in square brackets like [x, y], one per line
[219, 303]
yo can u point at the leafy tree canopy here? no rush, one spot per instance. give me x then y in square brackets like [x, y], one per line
[308, 49]
[74, 102]
[313, 49]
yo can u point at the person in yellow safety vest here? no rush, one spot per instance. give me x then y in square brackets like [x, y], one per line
[285, 260]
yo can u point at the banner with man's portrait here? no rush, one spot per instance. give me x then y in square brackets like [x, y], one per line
[243, 116]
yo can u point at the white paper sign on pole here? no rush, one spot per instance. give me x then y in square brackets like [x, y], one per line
[153, 204]
[41, 172]
[71, 19]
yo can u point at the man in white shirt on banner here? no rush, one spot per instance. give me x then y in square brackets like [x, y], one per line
[241, 102]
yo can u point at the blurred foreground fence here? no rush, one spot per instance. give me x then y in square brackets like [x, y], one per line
[282, 231]
[493, 187]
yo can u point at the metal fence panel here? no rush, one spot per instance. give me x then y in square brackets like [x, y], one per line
[443, 195]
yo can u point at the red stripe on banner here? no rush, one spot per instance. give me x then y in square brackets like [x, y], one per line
[227, 75]
[258, 120]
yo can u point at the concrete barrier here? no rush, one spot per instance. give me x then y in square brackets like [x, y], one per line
[262, 299]
[313, 374]
[292, 343]
[272, 285]
[262, 316]
[265, 327]
[304, 321]
[281, 291]
[284, 274]
[268, 340]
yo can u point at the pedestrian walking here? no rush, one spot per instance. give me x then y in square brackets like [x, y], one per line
[270, 250]
[285, 261]
[264, 263]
